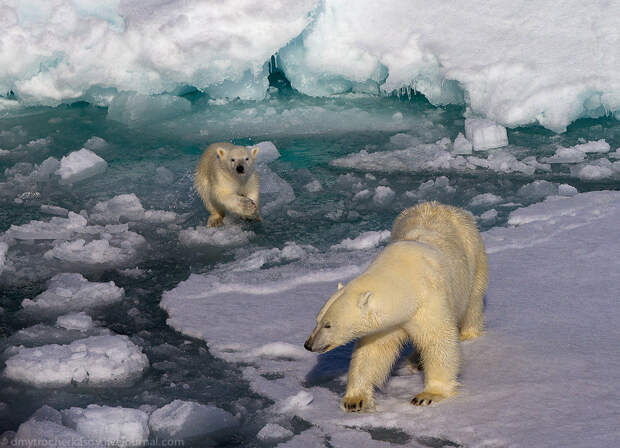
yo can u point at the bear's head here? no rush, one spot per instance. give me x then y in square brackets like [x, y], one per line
[238, 160]
[349, 314]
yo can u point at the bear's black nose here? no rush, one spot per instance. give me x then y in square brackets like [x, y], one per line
[240, 169]
[307, 345]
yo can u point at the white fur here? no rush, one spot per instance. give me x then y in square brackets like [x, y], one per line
[222, 188]
[426, 286]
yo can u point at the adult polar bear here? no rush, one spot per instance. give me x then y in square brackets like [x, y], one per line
[426, 286]
[227, 182]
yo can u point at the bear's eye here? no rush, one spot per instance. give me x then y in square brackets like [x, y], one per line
[232, 160]
[247, 159]
[327, 326]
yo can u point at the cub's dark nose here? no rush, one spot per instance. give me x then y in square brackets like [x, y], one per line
[308, 345]
[240, 169]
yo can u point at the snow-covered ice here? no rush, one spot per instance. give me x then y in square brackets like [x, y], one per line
[93, 361]
[75, 321]
[116, 426]
[227, 236]
[68, 292]
[188, 419]
[272, 432]
[80, 165]
[498, 404]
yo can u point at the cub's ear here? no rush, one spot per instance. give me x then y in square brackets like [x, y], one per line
[364, 300]
[255, 151]
[340, 286]
[220, 153]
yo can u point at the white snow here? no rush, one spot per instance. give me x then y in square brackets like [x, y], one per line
[68, 292]
[188, 419]
[93, 361]
[551, 281]
[365, 240]
[80, 165]
[75, 321]
[114, 426]
[485, 134]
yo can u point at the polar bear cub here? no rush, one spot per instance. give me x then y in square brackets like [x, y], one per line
[227, 182]
[427, 287]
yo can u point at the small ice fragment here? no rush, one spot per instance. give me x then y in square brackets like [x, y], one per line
[297, 402]
[110, 425]
[118, 209]
[461, 145]
[54, 210]
[489, 216]
[538, 190]
[567, 190]
[188, 419]
[313, 186]
[383, 195]
[485, 134]
[227, 236]
[267, 152]
[366, 240]
[484, 199]
[80, 165]
[75, 321]
[272, 432]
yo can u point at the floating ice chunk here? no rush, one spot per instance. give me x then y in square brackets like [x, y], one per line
[259, 258]
[55, 229]
[119, 208]
[227, 236]
[537, 190]
[461, 145]
[366, 240]
[275, 191]
[567, 190]
[96, 361]
[4, 152]
[96, 253]
[383, 195]
[41, 334]
[267, 152]
[134, 108]
[598, 146]
[44, 171]
[272, 432]
[361, 195]
[160, 217]
[484, 199]
[110, 425]
[80, 165]
[313, 186]
[47, 413]
[54, 210]
[4, 248]
[489, 216]
[601, 169]
[297, 402]
[75, 321]
[44, 433]
[164, 176]
[95, 144]
[188, 419]
[485, 134]
[503, 161]
[565, 155]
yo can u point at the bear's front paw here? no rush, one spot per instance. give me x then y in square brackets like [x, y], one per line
[357, 403]
[426, 398]
[215, 221]
[248, 207]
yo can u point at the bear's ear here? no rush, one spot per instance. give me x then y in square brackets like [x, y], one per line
[220, 153]
[255, 151]
[363, 301]
[340, 286]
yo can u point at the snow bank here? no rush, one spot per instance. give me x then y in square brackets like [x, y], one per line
[93, 361]
[527, 301]
[80, 165]
[115, 426]
[188, 419]
[73, 293]
[513, 62]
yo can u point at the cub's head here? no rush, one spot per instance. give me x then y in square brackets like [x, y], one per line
[238, 160]
[347, 315]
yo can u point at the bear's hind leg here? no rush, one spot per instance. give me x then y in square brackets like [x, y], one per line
[472, 324]
[372, 361]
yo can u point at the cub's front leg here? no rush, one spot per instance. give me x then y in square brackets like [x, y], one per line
[238, 205]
